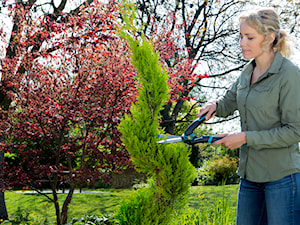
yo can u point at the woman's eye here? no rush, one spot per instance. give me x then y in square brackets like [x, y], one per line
[250, 38]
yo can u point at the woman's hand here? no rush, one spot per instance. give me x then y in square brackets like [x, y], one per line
[232, 141]
[209, 108]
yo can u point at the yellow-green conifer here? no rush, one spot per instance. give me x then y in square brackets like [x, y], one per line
[170, 172]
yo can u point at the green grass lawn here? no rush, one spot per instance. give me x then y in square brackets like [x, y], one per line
[209, 194]
[105, 201]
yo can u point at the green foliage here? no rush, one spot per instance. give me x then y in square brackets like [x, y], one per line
[23, 217]
[223, 168]
[136, 209]
[220, 211]
[94, 220]
[217, 171]
[168, 165]
[20, 217]
[142, 208]
[101, 183]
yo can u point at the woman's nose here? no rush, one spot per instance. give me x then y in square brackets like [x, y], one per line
[242, 42]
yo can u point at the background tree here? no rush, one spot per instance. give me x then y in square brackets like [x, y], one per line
[67, 99]
[209, 34]
[13, 14]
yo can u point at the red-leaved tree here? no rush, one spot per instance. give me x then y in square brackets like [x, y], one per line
[67, 99]
[67, 80]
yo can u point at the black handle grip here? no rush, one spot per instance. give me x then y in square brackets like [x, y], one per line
[194, 125]
[203, 139]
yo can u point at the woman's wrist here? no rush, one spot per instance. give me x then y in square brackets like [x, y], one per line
[244, 137]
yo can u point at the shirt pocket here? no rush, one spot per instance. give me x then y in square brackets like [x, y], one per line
[262, 97]
[262, 88]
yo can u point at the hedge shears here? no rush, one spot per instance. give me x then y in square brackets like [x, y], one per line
[189, 137]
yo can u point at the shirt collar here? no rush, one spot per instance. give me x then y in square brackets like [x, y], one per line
[276, 64]
[274, 68]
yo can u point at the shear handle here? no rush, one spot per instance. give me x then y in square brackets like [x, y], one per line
[194, 125]
[204, 139]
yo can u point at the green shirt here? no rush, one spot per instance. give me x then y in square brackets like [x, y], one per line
[270, 116]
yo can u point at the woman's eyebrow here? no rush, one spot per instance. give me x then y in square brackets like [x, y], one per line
[248, 34]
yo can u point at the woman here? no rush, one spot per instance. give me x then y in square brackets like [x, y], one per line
[267, 95]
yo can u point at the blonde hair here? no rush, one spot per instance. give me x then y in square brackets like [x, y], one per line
[266, 21]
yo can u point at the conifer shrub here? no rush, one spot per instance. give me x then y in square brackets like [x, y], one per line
[168, 166]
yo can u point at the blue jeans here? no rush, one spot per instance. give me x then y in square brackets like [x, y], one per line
[271, 203]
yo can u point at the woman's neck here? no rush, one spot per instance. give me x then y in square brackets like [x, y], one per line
[262, 64]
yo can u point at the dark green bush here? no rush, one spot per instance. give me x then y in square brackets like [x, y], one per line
[22, 217]
[218, 171]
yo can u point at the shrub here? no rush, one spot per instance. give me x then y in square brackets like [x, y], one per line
[19, 217]
[94, 220]
[132, 210]
[168, 165]
[23, 217]
[217, 171]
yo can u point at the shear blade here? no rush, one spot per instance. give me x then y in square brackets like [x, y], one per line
[171, 140]
[168, 136]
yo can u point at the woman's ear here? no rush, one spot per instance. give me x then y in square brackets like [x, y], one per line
[271, 38]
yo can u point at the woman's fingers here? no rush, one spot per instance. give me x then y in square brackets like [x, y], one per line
[218, 142]
[232, 141]
[209, 108]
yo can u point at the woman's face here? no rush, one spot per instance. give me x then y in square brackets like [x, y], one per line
[251, 42]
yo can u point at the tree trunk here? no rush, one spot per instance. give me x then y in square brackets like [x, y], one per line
[56, 204]
[3, 211]
[169, 118]
[65, 208]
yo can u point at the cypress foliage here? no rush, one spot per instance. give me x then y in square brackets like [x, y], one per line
[168, 166]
